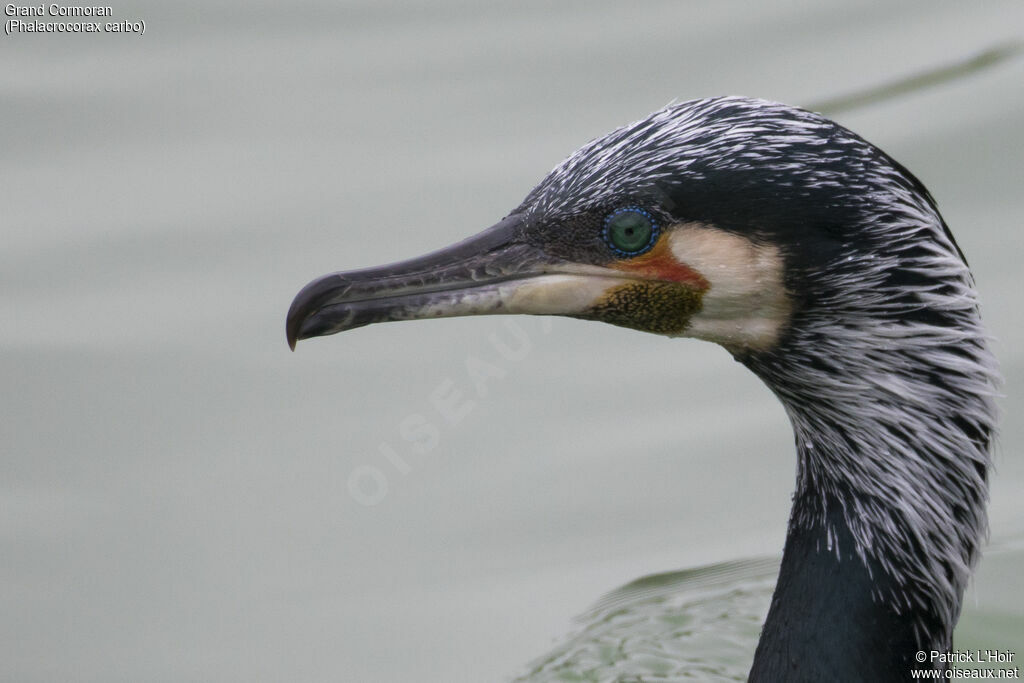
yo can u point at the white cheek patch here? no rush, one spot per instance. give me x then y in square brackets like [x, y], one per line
[746, 305]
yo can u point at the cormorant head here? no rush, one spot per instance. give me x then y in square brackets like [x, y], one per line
[720, 219]
[811, 255]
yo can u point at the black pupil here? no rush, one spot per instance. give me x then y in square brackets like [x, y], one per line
[629, 231]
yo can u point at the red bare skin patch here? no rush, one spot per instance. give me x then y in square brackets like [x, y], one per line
[660, 264]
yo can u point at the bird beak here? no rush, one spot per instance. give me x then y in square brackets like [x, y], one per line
[496, 271]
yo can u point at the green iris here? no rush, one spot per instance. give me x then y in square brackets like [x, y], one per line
[629, 231]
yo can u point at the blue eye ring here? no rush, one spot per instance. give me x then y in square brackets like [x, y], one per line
[613, 229]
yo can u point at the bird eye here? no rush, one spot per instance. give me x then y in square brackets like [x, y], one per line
[630, 231]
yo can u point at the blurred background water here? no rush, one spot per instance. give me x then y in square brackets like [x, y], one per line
[181, 498]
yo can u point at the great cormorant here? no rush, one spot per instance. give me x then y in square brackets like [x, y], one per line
[821, 264]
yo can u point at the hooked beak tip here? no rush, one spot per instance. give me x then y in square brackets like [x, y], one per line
[293, 324]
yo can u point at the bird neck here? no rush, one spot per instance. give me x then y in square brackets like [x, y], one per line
[889, 511]
[826, 621]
